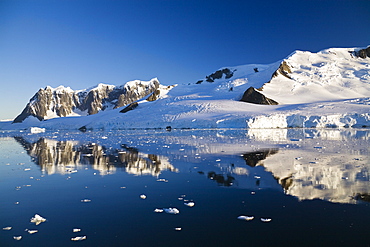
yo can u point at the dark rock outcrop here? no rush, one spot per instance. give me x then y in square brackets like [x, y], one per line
[363, 53]
[219, 74]
[251, 95]
[130, 107]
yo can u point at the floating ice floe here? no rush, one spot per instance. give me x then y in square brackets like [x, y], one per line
[158, 210]
[35, 130]
[143, 196]
[86, 200]
[78, 238]
[76, 230]
[178, 228]
[8, 228]
[17, 237]
[171, 210]
[162, 180]
[246, 218]
[37, 219]
[266, 219]
[189, 204]
[32, 231]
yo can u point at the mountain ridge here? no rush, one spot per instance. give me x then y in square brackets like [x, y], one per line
[327, 88]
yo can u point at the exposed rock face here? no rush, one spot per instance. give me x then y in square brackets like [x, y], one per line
[60, 102]
[136, 90]
[251, 95]
[284, 70]
[363, 53]
[218, 75]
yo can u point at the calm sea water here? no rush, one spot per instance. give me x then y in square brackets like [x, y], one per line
[303, 187]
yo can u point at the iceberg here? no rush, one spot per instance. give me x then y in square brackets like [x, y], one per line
[37, 219]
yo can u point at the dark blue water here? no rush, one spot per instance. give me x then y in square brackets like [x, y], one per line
[313, 185]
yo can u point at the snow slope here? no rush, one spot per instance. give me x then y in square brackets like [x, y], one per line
[330, 88]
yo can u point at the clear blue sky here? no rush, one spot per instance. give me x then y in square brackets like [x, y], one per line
[80, 43]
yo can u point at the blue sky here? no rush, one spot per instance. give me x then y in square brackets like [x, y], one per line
[80, 43]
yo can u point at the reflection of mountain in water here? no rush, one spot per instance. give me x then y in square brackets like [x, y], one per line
[65, 156]
[253, 158]
[307, 174]
[316, 174]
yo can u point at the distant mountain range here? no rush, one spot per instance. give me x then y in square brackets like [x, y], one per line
[303, 90]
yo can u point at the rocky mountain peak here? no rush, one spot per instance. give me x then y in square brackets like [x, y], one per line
[63, 101]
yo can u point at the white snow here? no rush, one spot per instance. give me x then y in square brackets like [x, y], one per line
[330, 88]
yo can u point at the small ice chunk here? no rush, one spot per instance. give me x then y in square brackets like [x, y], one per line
[78, 238]
[37, 219]
[266, 219]
[257, 177]
[76, 229]
[143, 196]
[158, 210]
[218, 160]
[178, 228]
[86, 200]
[35, 130]
[247, 218]
[32, 231]
[162, 180]
[171, 210]
[17, 237]
[189, 204]
[8, 228]
[180, 198]
[27, 169]
[253, 192]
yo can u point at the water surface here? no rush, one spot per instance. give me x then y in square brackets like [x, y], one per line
[313, 184]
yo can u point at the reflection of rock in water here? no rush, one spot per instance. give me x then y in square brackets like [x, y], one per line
[362, 197]
[220, 179]
[285, 182]
[63, 156]
[253, 158]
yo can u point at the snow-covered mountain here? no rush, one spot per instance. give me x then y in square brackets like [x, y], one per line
[62, 101]
[330, 88]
